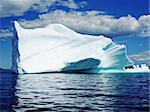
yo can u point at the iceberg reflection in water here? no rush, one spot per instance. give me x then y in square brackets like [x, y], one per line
[74, 92]
[8, 97]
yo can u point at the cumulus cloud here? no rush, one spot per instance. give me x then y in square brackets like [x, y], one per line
[145, 25]
[14, 7]
[18, 7]
[143, 57]
[91, 22]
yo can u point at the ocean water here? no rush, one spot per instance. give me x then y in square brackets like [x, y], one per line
[74, 92]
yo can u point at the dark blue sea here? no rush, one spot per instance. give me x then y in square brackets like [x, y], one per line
[74, 92]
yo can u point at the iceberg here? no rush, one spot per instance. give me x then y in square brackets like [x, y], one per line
[56, 48]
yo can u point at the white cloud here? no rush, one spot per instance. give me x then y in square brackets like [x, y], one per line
[42, 6]
[145, 25]
[18, 7]
[91, 22]
[14, 7]
[5, 33]
[72, 4]
[143, 57]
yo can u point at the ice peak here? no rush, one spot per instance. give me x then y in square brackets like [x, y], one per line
[17, 25]
[57, 25]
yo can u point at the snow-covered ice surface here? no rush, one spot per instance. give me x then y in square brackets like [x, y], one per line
[58, 48]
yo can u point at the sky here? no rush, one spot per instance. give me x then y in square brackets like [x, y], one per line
[124, 21]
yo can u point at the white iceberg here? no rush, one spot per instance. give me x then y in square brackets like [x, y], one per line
[56, 48]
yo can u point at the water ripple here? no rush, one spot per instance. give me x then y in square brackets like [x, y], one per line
[74, 92]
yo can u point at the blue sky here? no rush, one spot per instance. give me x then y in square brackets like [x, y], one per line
[125, 21]
[119, 8]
